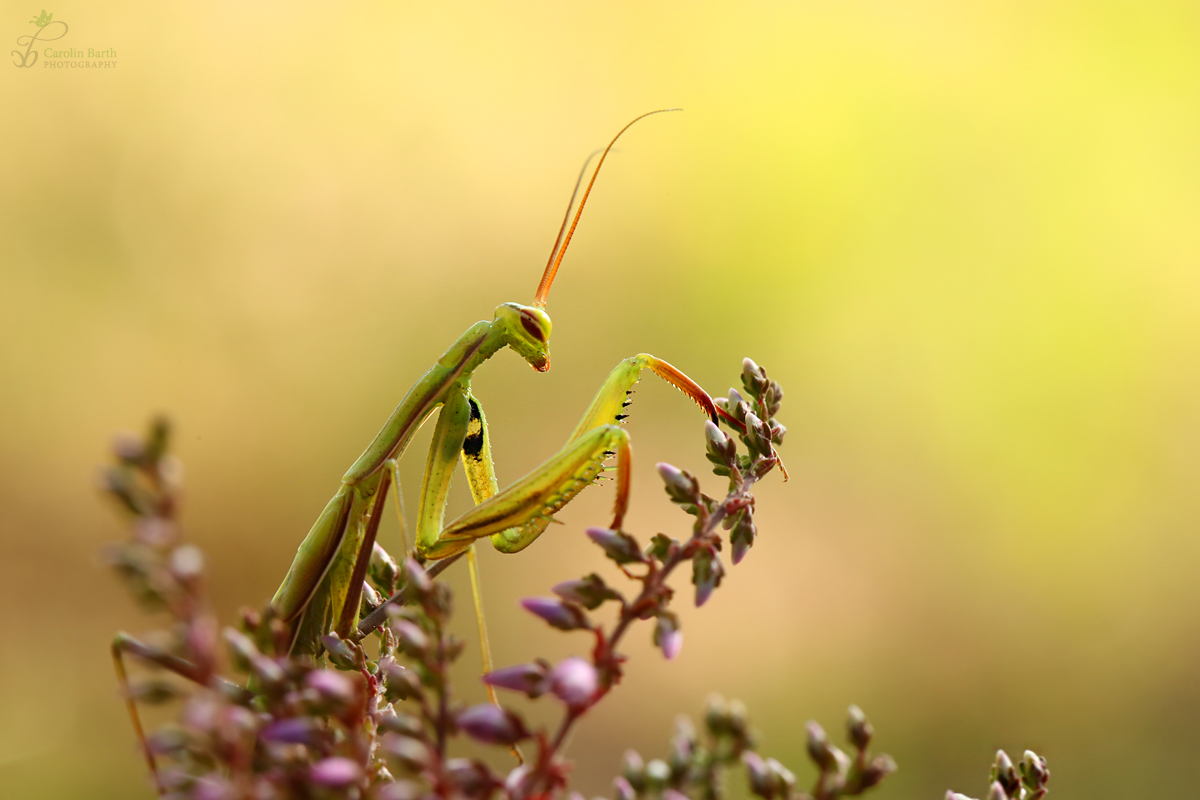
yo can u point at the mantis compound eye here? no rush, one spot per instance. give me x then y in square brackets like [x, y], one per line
[532, 327]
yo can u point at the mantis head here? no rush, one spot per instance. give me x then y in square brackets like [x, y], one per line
[526, 329]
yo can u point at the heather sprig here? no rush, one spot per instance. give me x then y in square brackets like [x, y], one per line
[581, 683]
[697, 763]
[375, 717]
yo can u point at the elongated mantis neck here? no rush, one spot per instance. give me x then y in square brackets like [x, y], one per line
[478, 343]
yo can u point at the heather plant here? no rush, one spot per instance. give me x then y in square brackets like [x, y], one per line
[375, 717]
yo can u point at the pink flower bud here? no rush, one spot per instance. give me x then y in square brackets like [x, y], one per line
[492, 725]
[335, 773]
[574, 681]
[293, 730]
[561, 615]
[331, 685]
[527, 678]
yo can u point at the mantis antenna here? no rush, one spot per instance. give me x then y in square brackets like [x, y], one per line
[570, 204]
[556, 254]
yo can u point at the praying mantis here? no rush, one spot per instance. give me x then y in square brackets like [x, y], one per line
[322, 589]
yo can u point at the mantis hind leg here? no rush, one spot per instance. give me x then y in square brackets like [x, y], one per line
[318, 584]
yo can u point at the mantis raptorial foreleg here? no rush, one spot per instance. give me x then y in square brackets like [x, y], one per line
[516, 516]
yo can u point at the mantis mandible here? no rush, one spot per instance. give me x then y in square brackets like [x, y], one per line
[322, 589]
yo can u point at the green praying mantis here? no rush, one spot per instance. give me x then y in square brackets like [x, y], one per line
[322, 591]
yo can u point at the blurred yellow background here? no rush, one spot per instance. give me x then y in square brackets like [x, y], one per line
[963, 236]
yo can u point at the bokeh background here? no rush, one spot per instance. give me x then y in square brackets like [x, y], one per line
[963, 236]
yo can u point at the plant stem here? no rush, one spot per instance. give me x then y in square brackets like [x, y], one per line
[652, 585]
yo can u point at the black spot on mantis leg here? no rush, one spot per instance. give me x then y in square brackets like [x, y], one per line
[472, 446]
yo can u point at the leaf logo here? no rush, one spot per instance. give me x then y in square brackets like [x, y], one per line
[43, 20]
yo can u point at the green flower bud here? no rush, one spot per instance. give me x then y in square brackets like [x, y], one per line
[818, 747]
[879, 768]
[681, 486]
[634, 771]
[858, 729]
[617, 545]
[1004, 773]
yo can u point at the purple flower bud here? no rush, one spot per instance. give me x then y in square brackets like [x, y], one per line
[413, 640]
[657, 774]
[516, 782]
[782, 776]
[667, 636]
[671, 794]
[400, 790]
[331, 685]
[212, 787]
[996, 792]
[681, 486]
[561, 615]
[154, 531]
[528, 678]
[590, 591]
[617, 545]
[860, 731]
[633, 768]
[957, 796]
[243, 649]
[200, 712]
[402, 683]
[236, 719]
[761, 783]
[574, 681]
[492, 725]
[202, 641]
[412, 754]
[1034, 772]
[383, 569]
[473, 778]
[393, 721]
[755, 438]
[342, 653]
[718, 441]
[623, 789]
[186, 563]
[293, 730]
[335, 773]
[707, 572]
[818, 747]
[1005, 773]
[416, 579]
[671, 644]
[880, 767]
[742, 536]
